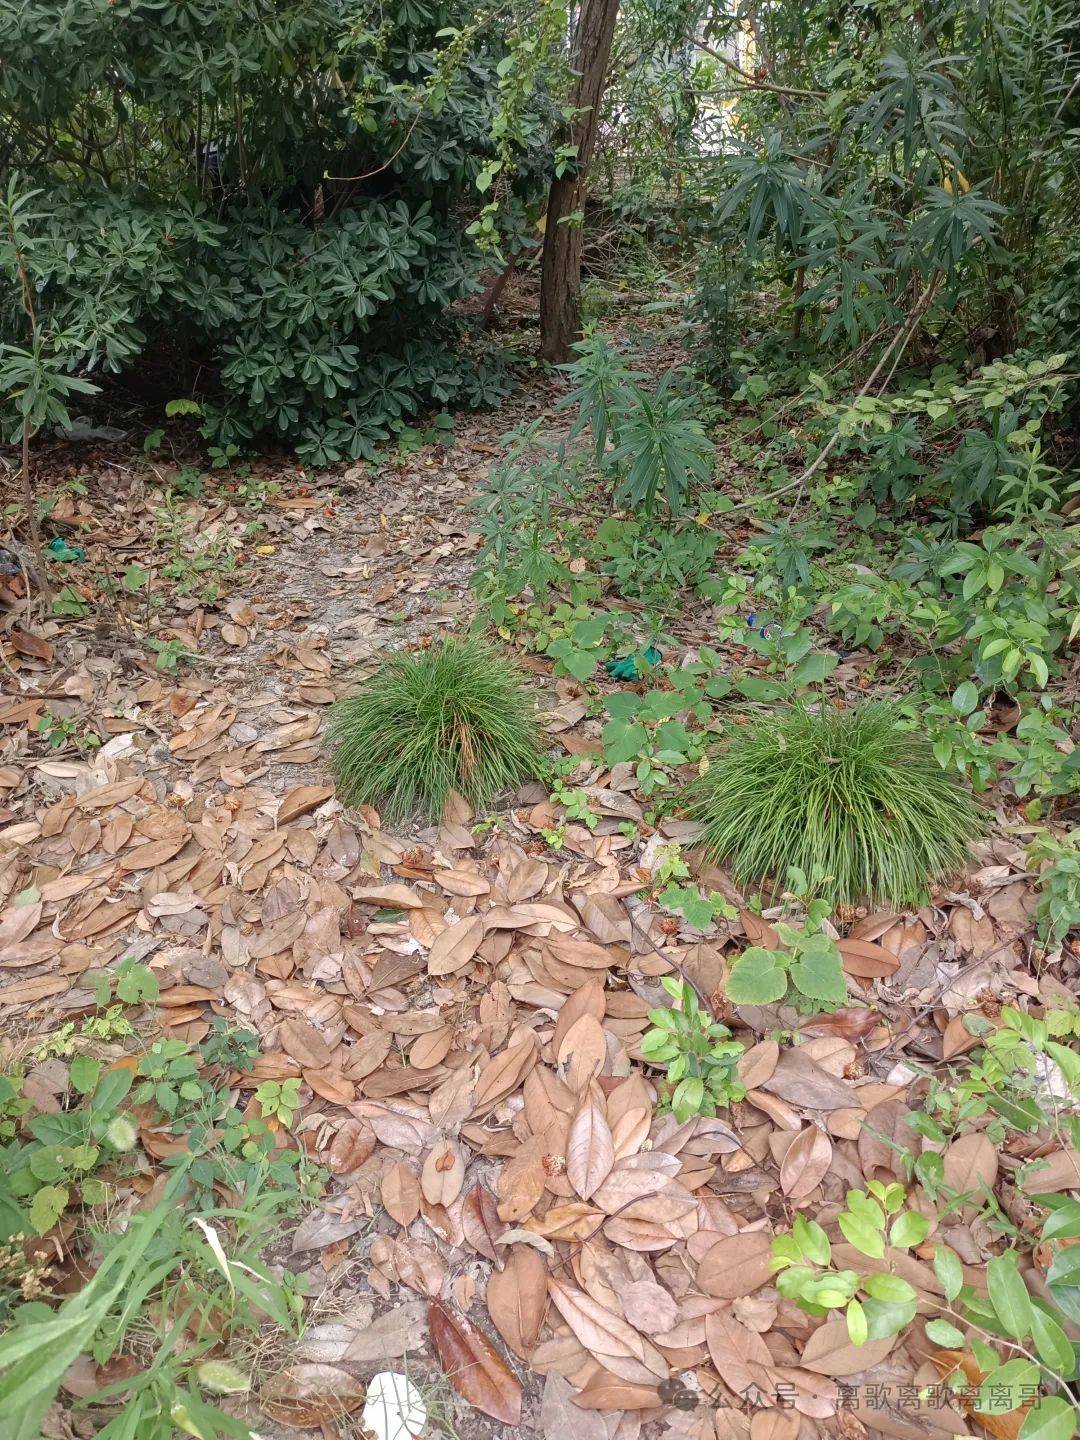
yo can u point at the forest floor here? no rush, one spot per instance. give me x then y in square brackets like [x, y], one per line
[454, 1000]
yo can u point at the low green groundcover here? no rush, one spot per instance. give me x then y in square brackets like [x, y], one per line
[859, 805]
[457, 716]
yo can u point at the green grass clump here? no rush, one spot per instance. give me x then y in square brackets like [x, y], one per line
[845, 796]
[455, 717]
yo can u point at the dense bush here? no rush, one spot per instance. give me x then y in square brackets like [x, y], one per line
[189, 219]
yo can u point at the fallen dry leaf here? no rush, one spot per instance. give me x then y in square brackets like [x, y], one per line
[307, 1395]
[517, 1299]
[474, 1367]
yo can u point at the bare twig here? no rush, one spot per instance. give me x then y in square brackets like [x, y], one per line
[752, 82]
[901, 339]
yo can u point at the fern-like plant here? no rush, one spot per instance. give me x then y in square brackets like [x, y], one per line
[857, 804]
[457, 716]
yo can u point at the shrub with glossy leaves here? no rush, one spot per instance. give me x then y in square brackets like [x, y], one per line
[455, 717]
[857, 804]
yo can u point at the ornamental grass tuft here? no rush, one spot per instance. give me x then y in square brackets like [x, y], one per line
[455, 717]
[857, 804]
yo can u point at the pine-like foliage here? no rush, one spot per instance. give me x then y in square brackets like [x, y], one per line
[846, 796]
[455, 717]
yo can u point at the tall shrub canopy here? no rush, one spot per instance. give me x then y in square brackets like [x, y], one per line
[269, 199]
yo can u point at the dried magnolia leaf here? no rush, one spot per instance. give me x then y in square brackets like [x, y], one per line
[560, 1417]
[455, 946]
[304, 1043]
[475, 1369]
[590, 1150]
[443, 1174]
[737, 1265]
[740, 1355]
[302, 800]
[400, 1193]
[309, 1395]
[757, 1064]
[865, 960]
[971, 1167]
[829, 1351]
[351, 1146]
[617, 1345]
[480, 1224]
[517, 1299]
[503, 1074]
[608, 1392]
[805, 1163]
[774, 1425]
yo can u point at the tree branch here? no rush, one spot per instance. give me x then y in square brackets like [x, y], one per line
[752, 82]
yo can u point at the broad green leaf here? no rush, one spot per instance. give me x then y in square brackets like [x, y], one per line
[890, 1288]
[909, 1229]
[820, 977]
[1052, 1418]
[1052, 1345]
[866, 1238]
[1009, 1296]
[1007, 1387]
[942, 1332]
[47, 1206]
[1064, 1223]
[756, 979]
[949, 1271]
[814, 668]
[84, 1073]
[812, 1242]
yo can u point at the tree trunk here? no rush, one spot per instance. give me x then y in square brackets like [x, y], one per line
[560, 281]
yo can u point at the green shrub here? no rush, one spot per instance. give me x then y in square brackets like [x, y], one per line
[859, 805]
[455, 717]
[287, 234]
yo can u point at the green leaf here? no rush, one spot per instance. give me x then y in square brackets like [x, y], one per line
[756, 979]
[814, 668]
[1051, 1418]
[820, 976]
[813, 1243]
[856, 1323]
[1052, 1345]
[84, 1073]
[47, 1206]
[909, 1229]
[579, 663]
[1007, 1387]
[47, 1164]
[623, 740]
[949, 1271]
[622, 705]
[944, 1333]
[111, 1089]
[1009, 1296]
[687, 1097]
[965, 698]
[1064, 1222]
[859, 1232]
[890, 1288]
